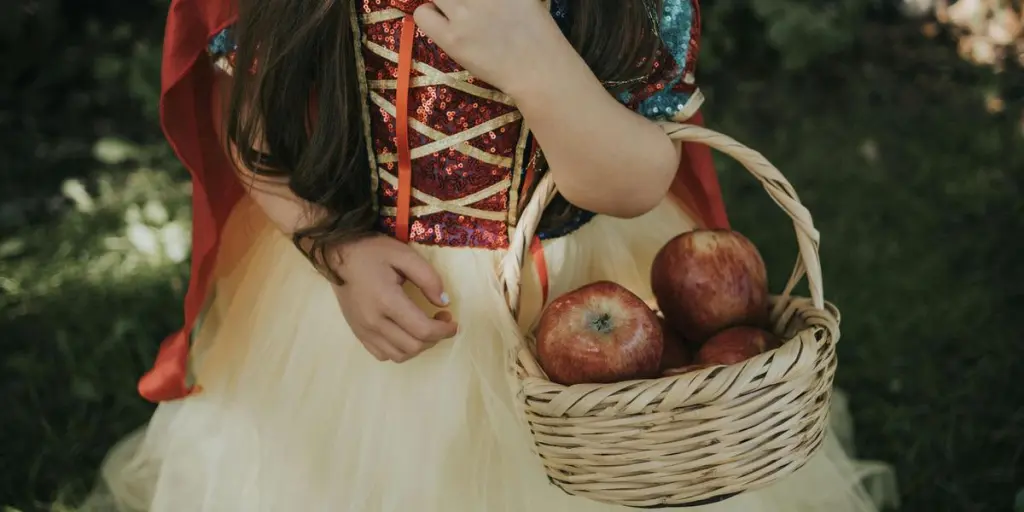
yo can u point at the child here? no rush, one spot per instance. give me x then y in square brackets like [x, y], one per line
[393, 143]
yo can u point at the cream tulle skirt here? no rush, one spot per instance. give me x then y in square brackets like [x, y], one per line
[296, 416]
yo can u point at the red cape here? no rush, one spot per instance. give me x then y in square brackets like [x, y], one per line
[186, 116]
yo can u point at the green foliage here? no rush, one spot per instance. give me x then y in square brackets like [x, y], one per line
[790, 33]
[73, 72]
[803, 31]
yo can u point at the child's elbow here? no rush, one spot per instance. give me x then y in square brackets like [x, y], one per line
[623, 204]
[647, 190]
[639, 204]
[621, 195]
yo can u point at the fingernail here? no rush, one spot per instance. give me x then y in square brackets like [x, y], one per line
[444, 299]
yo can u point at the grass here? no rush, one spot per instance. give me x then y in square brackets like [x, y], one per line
[914, 185]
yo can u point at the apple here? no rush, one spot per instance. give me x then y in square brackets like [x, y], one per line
[735, 345]
[599, 333]
[708, 280]
[675, 353]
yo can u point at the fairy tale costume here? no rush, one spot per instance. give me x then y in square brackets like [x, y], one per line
[288, 411]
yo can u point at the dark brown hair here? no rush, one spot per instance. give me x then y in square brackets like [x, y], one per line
[299, 48]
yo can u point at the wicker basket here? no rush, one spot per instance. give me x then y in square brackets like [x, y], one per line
[699, 437]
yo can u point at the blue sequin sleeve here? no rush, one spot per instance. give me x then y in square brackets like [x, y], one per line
[222, 50]
[670, 92]
[222, 44]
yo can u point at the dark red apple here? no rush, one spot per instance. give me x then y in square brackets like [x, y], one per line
[675, 353]
[708, 280]
[735, 345]
[599, 333]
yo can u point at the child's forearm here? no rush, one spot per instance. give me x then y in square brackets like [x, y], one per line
[284, 209]
[604, 157]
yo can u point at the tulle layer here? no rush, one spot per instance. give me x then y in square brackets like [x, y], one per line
[296, 416]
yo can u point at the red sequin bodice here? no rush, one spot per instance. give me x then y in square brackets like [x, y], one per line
[465, 138]
[470, 155]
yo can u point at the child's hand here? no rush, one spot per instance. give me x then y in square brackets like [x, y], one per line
[503, 42]
[388, 323]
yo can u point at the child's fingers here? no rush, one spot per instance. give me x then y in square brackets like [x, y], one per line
[381, 349]
[430, 18]
[394, 335]
[377, 353]
[445, 6]
[415, 268]
[404, 312]
[447, 318]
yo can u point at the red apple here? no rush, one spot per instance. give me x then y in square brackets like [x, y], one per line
[599, 333]
[708, 280]
[675, 353]
[735, 345]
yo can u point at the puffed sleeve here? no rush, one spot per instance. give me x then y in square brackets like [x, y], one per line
[670, 92]
[222, 50]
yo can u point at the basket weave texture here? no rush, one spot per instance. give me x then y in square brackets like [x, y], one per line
[698, 437]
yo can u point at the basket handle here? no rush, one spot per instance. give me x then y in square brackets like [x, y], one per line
[780, 190]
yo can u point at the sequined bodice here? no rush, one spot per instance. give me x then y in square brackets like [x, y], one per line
[471, 157]
[465, 138]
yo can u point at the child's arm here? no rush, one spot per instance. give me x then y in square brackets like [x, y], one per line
[386, 321]
[604, 157]
[284, 209]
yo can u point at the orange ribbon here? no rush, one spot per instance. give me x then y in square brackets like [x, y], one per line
[402, 128]
[541, 264]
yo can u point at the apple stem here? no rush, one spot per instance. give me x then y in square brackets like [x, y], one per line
[601, 322]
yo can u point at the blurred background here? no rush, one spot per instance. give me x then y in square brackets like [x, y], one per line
[901, 123]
